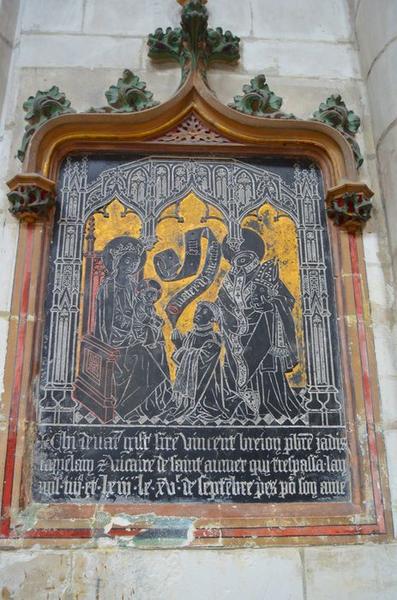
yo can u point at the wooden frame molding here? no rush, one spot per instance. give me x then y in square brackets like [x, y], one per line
[229, 133]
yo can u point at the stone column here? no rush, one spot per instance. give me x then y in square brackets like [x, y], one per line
[376, 30]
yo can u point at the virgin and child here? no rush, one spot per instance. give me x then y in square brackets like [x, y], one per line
[127, 321]
[230, 367]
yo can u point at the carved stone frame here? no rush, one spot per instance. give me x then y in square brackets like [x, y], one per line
[229, 133]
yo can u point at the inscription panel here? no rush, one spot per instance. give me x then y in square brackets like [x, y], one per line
[190, 350]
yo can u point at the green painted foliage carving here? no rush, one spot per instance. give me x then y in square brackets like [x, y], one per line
[129, 95]
[193, 45]
[334, 112]
[258, 100]
[351, 210]
[194, 23]
[166, 45]
[222, 47]
[41, 108]
[30, 203]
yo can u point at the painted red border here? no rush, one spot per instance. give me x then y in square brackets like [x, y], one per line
[368, 400]
[16, 389]
[379, 527]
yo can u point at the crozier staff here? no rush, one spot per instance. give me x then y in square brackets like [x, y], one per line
[258, 331]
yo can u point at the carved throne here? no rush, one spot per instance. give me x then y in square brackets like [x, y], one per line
[94, 386]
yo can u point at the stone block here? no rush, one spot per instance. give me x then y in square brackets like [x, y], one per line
[13, 136]
[387, 160]
[174, 575]
[235, 16]
[52, 15]
[351, 573]
[8, 17]
[28, 574]
[301, 59]
[5, 57]
[130, 17]
[371, 247]
[304, 20]
[8, 243]
[388, 395]
[227, 83]
[354, 4]
[376, 25]
[380, 293]
[79, 51]
[381, 78]
[391, 453]
[164, 85]
[3, 347]
[385, 346]
[5, 143]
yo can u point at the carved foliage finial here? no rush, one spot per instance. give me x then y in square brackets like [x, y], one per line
[129, 95]
[334, 112]
[183, 2]
[39, 109]
[193, 45]
[258, 100]
[194, 23]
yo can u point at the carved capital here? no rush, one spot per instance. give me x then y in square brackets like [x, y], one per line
[31, 197]
[349, 205]
[334, 112]
[39, 109]
[259, 100]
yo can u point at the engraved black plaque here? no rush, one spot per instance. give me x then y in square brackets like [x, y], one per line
[190, 350]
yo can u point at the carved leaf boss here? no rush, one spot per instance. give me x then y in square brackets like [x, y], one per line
[41, 108]
[129, 95]
[195, 47]
[334, 112]
[259, 100]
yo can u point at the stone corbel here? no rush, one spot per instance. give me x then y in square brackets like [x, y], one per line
[349, 205]
[31, 197]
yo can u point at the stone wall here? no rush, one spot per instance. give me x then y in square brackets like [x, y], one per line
[308, 50]
[376, 29]
[9, 10]
[10, 16]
